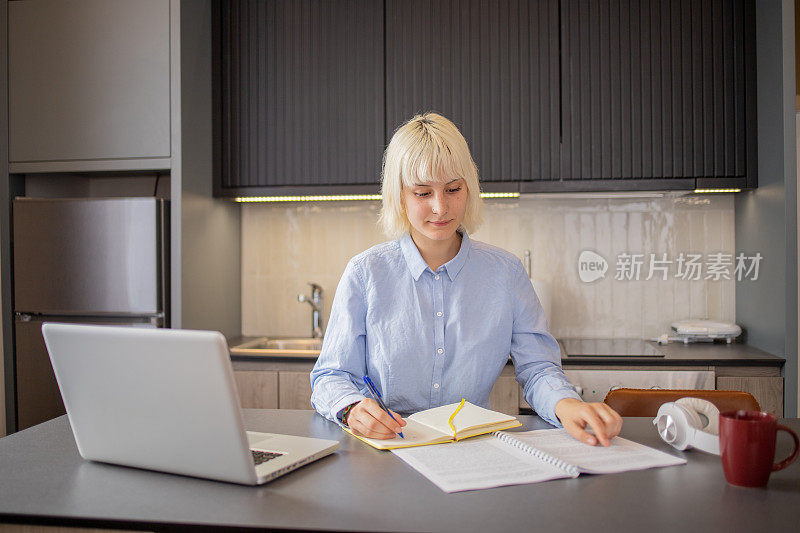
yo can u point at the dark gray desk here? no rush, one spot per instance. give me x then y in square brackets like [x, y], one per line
[43, 480]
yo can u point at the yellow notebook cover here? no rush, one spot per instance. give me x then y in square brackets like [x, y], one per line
[448, 423]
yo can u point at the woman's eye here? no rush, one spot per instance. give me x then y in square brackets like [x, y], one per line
[454, 190]
[421, 194]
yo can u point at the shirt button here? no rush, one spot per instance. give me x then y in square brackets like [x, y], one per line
[440, 351]
[436, 277]
[435, 385]
[439, 313]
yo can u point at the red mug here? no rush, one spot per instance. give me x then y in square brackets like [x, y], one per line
[747, 446]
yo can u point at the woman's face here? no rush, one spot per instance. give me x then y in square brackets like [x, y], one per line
[435, 210]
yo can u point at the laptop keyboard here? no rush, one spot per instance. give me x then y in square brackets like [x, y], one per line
[262, 457]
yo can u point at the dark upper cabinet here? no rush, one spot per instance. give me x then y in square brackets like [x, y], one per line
[490, 67]
[551, 95]
[657, 94]
[299, 88]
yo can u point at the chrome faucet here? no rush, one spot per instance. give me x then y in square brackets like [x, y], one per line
[316, 309]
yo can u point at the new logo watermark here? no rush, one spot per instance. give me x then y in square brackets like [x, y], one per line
[689, 267]
[591, 266]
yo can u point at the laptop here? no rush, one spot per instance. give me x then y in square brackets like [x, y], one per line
[165, 400]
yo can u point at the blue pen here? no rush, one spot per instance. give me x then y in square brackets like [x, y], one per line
[377, 397]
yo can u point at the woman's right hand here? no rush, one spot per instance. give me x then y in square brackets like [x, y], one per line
[367, 419]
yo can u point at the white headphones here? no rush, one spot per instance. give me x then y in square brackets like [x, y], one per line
[689, 423]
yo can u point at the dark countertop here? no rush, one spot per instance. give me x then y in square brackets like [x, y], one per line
[43, 480]
[675, 354]
[680, 354]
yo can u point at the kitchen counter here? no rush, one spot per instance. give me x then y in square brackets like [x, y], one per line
[675, 354]
[678, 354]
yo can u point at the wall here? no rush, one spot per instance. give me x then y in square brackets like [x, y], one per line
[766, 218]
[284, 247]
[205, 230]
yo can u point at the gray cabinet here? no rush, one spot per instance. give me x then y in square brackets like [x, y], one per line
[89, 85]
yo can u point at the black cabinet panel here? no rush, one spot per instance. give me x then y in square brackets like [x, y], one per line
[657, 89]
[300, 92]
[491, 67]
[552, 95]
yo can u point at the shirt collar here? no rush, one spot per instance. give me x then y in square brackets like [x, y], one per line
[454, 266]
[417, 265]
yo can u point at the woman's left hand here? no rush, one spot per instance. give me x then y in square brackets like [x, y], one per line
[576, 415]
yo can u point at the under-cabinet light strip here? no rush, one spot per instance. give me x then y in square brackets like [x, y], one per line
[717, 190]
[318, 198]
[346, 197]
[499, 195]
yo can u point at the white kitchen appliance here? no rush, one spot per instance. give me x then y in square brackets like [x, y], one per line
[704, 331]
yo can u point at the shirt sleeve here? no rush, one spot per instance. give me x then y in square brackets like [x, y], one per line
[535, 353]
[342, 361]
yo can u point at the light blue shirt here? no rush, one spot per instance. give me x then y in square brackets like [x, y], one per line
[432, 338]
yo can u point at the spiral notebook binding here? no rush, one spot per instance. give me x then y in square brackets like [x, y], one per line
[572, 470]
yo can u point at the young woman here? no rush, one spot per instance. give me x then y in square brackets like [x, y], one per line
[432, 316]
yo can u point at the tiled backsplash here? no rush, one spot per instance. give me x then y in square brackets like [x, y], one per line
[284, 247]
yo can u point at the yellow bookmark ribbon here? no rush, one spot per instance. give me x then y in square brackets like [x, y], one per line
[454, 415]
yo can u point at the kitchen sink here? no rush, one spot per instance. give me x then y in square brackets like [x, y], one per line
[296, 346]
[293, 344]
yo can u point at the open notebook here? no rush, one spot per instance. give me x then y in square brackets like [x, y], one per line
[528, 457]
[447, 423]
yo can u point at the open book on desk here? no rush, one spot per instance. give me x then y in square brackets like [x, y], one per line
[527, 457]
[447, 423]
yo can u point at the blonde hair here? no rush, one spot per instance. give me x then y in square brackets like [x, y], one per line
[426, 149]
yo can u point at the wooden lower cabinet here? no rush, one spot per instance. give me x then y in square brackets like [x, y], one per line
[505, 395]
[258, 389]
[286, 385]
[763, 382]
[768, 390]
[294, 390]
[273, 387]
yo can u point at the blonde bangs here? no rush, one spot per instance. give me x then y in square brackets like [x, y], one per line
[429, 160]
